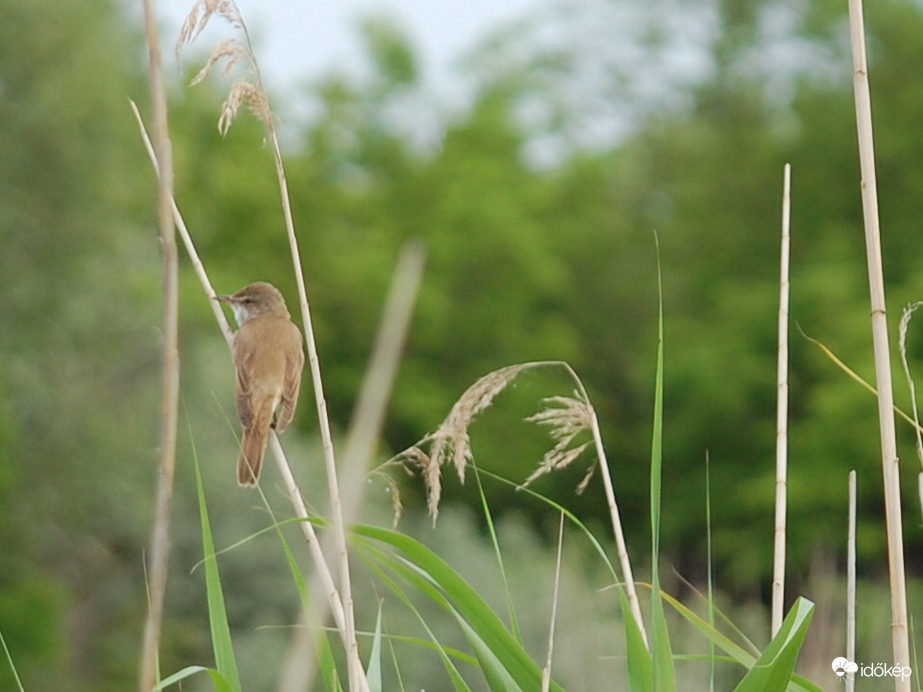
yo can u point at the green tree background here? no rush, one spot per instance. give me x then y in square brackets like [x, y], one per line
[541, 246]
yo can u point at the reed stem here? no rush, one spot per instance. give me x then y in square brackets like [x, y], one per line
[889, 460]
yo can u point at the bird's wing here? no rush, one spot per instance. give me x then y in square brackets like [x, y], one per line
[292, 382]
[243, 356]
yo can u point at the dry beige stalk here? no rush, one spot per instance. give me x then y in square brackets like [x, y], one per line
[249, 90]
[307, 527]
[780, 532]
[546, 671]
[900, 639]
[170, 375]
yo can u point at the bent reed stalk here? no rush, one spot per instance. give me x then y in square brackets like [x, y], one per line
[249, 90]
[301, 512]
[566, 416]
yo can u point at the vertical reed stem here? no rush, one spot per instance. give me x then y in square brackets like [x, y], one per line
[851, 581]
[357, 679]
[889, 459]
[365, 429]
[160, 538]
[778, 577]
[630, 590]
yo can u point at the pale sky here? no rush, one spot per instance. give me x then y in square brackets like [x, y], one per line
[300, 38]
[622, 73]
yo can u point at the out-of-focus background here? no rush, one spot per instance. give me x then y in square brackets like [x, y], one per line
[536, 148]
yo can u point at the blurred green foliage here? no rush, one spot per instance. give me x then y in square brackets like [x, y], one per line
[526, 261]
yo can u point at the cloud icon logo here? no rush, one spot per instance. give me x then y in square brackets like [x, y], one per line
[842, 666]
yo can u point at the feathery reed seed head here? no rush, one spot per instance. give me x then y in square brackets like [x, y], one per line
[246, 90]
[567, 417]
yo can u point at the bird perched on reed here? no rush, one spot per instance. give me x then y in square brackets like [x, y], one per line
[268, 359]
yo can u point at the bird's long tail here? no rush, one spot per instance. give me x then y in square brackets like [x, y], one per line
[252, 449]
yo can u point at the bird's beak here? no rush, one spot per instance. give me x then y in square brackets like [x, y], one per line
[222, 299]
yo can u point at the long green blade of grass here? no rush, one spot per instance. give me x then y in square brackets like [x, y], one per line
[397, 666]
[710, 595]
[744, 656]
[421, 581]
[494, 644]
[639, 661]
[773, 671]
[640, 665]
[495, 541]
[373, 674]
[664, 675]
[799, 615]
[225, 661]
[9, 658]
[498, 677]
[220, 682]
[322, 642]
[374, 558]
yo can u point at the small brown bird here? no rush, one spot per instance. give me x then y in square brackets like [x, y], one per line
[268, 358]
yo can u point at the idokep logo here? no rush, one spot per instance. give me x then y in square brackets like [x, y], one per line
[842, 667]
